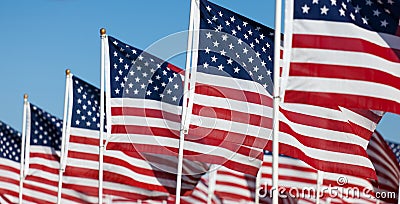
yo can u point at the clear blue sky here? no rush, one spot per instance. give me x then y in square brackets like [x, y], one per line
[41, 38]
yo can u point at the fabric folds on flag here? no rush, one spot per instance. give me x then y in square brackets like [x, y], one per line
[10, 158]
[386, 166]
[128, 175]
[395, 148]
[343, 53]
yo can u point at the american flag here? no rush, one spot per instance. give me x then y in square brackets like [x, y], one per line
[127, 175]
[295, 176]
[10, 158]
[343, 52]
[145, 109]
[329, 139]
[43, 156]
[386, 166]
[395, 148]
[232, 103]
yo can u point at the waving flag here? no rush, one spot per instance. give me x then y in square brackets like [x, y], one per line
[10, 158]
[127, 175]
[395, 148]
[232, 102]
[43, 156]
[343, 53]
[386, 166]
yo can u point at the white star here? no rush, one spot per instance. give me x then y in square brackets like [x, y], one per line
[262, 36]
[137, 79]
[233, 32]
[260, 77]
[209, 35]
[255, 69]
[163, 84]
[229, 61]
[245, 50]
[227, 23]
[251, 59]
[207, 50]
[315, 1]
[236, 70]
[250, 32]
[224, 37]
[365, 20]
[384, 23]
[117, 91]
[220, 67]
[216, 43]
[357, 9]
[205, 65]
[333, 2]
[223, 52]
[239, 41]
[142, 86]
[352, 16]
[376, 12]
[214, 59]
[174, 98]
[368, 2]
[324, 10]
[231, 46]
[269, 72]
[233, 19]
[136, 91]
[176, 86]
[245, 23]
[305, 8]
[214, 18]
[263, 63]
[342, 12]
[148, 92]
[208, 8]
[390, 2]
[169, 91]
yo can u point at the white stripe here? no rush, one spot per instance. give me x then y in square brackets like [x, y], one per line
[150, 104]
[342, 86]
[320, 133]
[347, 30]
[231, 126]
[325, 155]
[359, 120]
[360, 60]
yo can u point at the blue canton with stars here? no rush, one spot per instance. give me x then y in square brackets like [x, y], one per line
[86, 105]
[395, 148]
[376, 15]
[10, 143]
[46, 130]
[233, 45]
[137, 74]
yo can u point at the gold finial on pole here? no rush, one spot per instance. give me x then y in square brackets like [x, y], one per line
[102, 31]
[25, 96]
[67, 72]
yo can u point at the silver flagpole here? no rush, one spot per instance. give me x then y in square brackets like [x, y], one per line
[101, 143]
[212, 179]
[257, 188]
[21, 172]
[320, 179]
[275, 144]
[64, 135]
[184, 106]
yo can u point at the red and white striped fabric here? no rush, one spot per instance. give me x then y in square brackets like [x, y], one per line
[387, 168]
[127, 175]
[42, 161]
[330, 140]
[350, 60]
[10, 157]
[299, 181]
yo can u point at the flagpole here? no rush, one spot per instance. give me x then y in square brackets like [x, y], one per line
[63, 138]
[212, 177]
[21, 171]
[101, 143]
[320, 178]
[183, 130]
[258, 182]
[275, 144]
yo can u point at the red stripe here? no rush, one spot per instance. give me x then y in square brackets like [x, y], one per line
[291, 167]
[235, 94]
[319, 143]
[144, 130]
[9, 168]
[345, 44]
[50, 157]
[328, 166]
[144, 112]
[343, 72]
[340, 99]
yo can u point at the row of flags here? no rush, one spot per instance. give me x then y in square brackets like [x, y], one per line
[164, 126]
